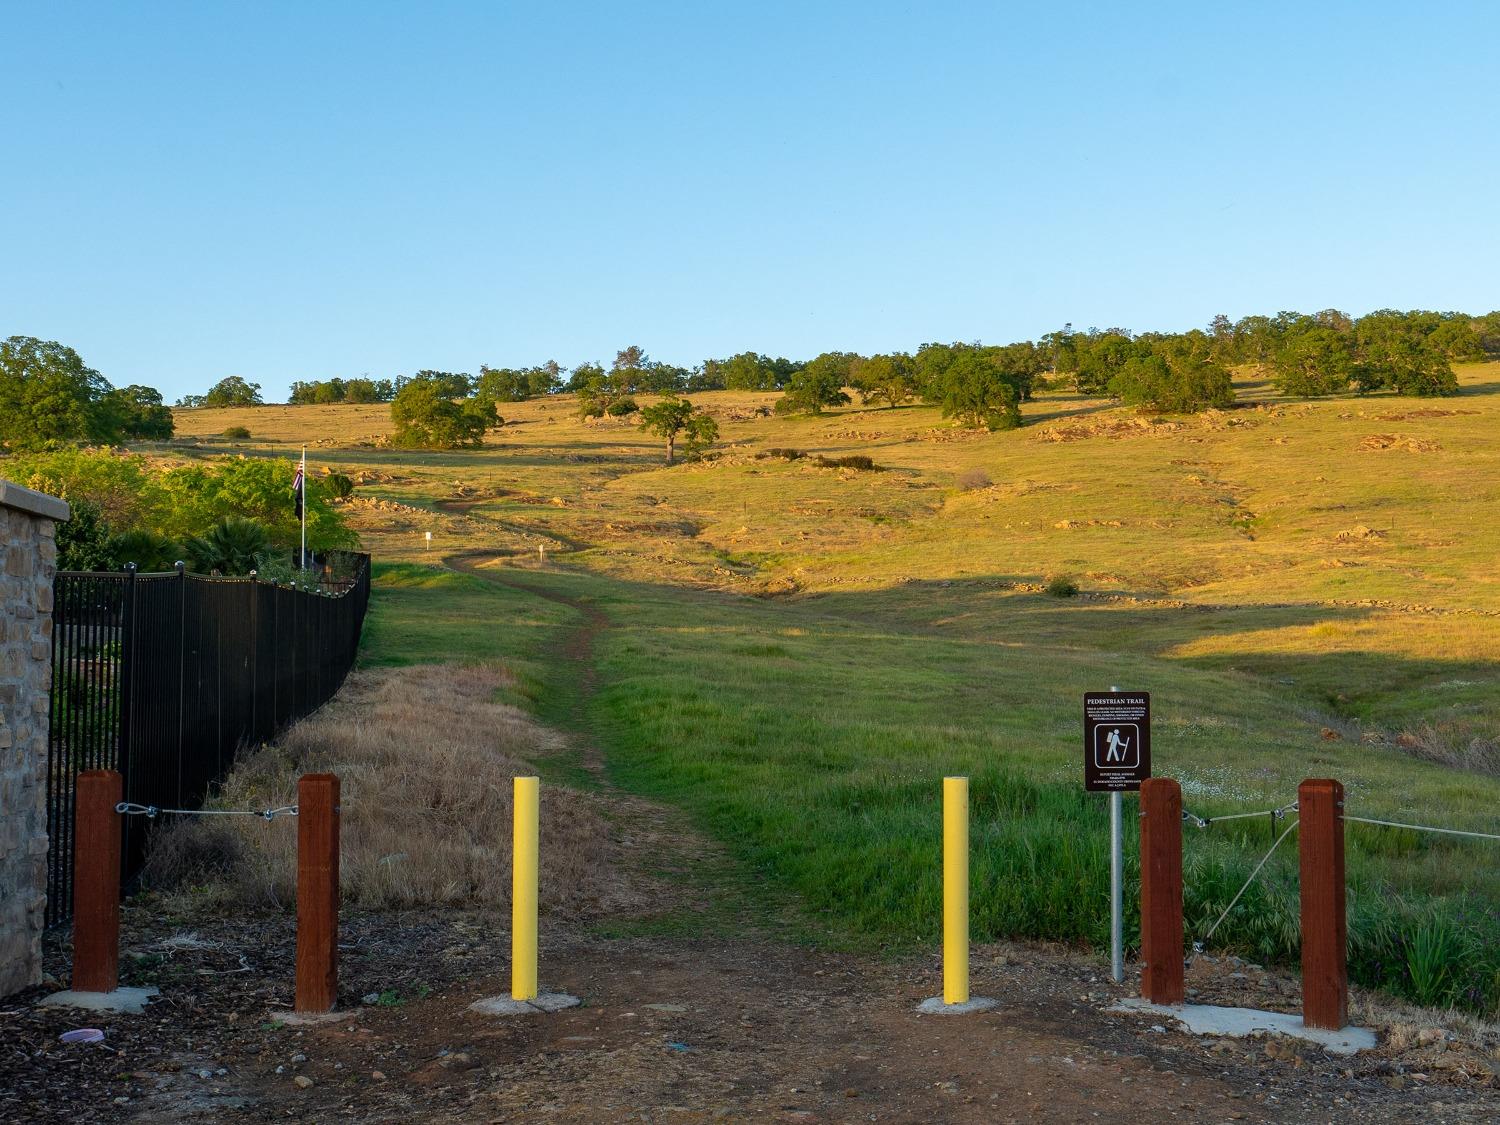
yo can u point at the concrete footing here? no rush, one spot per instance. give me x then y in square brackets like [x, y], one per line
[1205, 1019]
[306, 1019]
[934, 1006]
[128, 1000]
[505, 1006]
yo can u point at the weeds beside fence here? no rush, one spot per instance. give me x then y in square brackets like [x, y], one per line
[165, 677]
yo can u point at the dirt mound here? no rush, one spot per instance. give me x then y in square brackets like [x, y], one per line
[1375, 442]
[1112, 428]
[738, 413]
[1423, 412]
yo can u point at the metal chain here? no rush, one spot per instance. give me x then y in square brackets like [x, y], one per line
[130, 808]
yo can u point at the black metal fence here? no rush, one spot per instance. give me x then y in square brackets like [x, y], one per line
[165, 677]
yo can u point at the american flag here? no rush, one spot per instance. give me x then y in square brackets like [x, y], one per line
[298, 484]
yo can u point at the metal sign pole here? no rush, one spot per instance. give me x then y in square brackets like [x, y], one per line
[1116, 915]
[1116, 878]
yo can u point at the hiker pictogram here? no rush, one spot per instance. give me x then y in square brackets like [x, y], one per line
[1117, 747]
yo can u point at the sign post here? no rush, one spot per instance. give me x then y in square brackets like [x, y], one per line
[1116, 758]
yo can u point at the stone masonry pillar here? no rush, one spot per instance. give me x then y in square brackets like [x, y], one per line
[28, 564]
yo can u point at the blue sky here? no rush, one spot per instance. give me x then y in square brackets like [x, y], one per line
[307, 190]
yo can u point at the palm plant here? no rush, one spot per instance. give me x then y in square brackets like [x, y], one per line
[234, 545]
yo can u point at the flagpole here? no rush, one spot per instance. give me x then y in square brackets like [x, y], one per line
[304, 507]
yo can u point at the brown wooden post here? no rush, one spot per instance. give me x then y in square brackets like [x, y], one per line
[1161, 891]
[317, 893]
[96, 882]
[1325, 974]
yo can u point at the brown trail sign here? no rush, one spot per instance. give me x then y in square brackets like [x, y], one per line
[1116, 740]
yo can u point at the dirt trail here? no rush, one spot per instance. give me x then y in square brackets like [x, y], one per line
[578, 648]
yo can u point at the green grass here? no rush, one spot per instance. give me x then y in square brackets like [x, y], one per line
[814, 746]
[425, 615]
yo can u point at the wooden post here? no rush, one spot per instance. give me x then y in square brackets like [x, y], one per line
[1325, 974]
[96, 882]
[1161, 891]
[317, 893]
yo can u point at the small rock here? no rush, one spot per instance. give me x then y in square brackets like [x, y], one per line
[370, 998]
[378, 1075]
[205, 1073]
[1430, 1035]
[851, 1093]
[299, 1058]
[303, 1081]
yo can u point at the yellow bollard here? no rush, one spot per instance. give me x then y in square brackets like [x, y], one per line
[955, 890]
[523, 891]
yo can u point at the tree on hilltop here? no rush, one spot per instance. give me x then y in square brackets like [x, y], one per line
[1318, 361]
[818, 384]
[1395, 352]
[426, 418]
[231, 391]
[888, 378]
[673, 417]
[971, 388]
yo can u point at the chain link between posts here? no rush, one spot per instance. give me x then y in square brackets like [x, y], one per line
[151, 812]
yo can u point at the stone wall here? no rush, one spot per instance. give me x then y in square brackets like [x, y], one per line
[28, 556]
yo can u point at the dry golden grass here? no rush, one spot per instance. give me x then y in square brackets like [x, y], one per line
[425, 757]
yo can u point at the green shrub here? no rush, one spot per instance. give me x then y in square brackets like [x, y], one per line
[1062, 586]
[620, 407]
[236, 433]
[782, 454]
[339, 486]
[856, 461]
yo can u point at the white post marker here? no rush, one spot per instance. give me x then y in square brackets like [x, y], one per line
[429, 540]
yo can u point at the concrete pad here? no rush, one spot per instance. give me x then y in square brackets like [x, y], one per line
[1205, 1019]
[934, 1006]
[306, 1019]
[129, 1000]
[505, 1006]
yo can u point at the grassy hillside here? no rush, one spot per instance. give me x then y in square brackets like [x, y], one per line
[798, 653]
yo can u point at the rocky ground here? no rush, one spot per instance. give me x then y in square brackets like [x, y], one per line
[678, 1030]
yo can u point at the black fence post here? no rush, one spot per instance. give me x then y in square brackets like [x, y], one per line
[126, 684]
